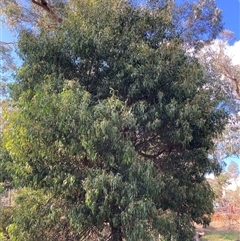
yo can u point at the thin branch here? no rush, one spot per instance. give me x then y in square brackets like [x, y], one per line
[7, 43]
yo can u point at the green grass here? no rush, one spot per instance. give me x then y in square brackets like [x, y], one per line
[221, 236]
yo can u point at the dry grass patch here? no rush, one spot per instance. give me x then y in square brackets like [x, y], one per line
[224, 227]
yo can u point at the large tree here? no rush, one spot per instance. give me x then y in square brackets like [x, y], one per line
[114, 119]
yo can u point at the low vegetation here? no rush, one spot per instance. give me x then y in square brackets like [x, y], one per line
[219, 235]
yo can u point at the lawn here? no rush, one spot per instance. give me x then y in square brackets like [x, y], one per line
[224, 227]
[219, 235]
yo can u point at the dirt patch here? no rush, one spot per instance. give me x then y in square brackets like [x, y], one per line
[229, 221]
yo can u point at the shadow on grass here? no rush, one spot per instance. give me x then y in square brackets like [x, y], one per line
[215, 233]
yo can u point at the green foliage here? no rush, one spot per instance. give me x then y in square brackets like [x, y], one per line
[39, 216]
[5, 221]
[218, 185]
[114, 120]
[221, 235]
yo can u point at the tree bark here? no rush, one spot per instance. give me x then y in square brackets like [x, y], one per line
[116, 234]
[43, 4]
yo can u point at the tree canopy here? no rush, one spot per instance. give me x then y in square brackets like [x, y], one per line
[113, 120]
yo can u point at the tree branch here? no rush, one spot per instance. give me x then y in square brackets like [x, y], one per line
[43, 4]
[233, 78]
[7, 43]
[152, 155]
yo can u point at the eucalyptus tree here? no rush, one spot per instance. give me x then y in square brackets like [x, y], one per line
[114, 120]
[219, 63]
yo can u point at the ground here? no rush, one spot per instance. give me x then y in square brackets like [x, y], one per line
[224, 227]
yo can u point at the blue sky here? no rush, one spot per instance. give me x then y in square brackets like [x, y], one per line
[231, 15]
[231, 19]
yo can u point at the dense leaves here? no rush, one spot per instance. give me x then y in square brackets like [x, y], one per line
[114, 119]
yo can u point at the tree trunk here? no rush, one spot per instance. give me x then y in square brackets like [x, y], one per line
[116, 234]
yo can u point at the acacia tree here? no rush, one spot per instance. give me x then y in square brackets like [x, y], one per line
[113, 118]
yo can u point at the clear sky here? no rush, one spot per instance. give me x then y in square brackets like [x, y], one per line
[231, 15]
[231, 19]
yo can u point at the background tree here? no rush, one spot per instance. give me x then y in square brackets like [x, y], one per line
[112, 116]
[219, 185]
[18, 15]
[6, 67]
[233, 193]
[233, 170]
[225, 186]
[219, 64]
